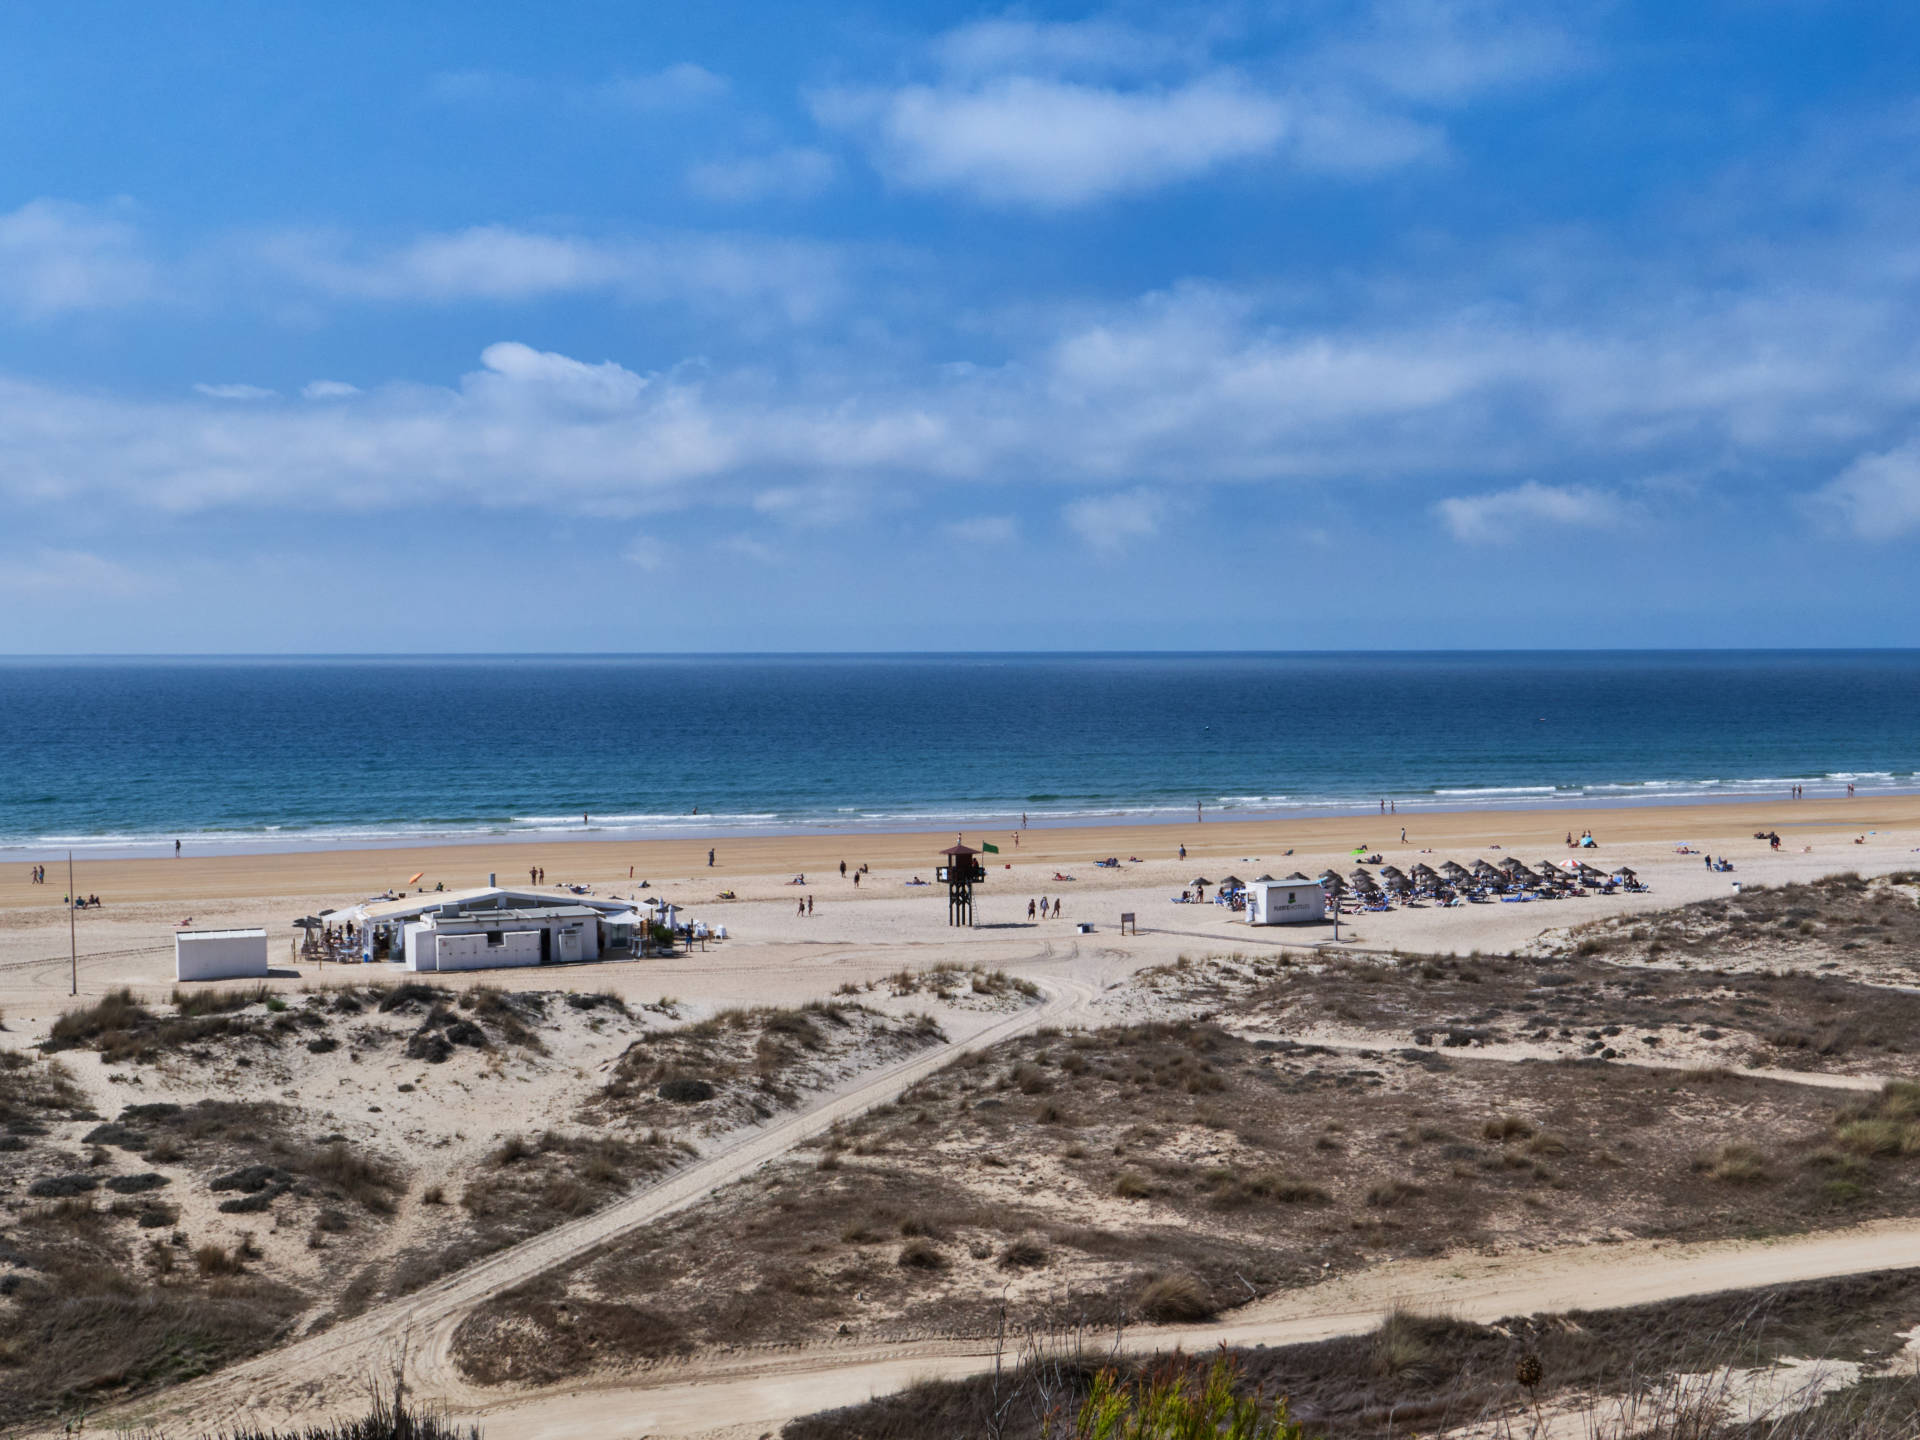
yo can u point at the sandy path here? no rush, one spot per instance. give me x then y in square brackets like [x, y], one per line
[413, 1336]
[752, 1394]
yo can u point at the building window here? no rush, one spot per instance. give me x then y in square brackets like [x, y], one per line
[495, 937]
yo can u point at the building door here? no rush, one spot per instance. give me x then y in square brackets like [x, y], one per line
[546, 947]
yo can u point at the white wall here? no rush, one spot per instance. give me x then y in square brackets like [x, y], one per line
[471, 952]
[220, 955]
[1267, 904]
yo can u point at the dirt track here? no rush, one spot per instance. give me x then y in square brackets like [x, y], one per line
[412, 1336]
[749, 1395]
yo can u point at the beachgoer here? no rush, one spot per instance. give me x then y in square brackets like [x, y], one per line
[1043, 907]
[1023, 819]
[843, 869]
[803, 908]
[856, 879]
[176, 847]
[1029, 908]
[809, 904]
[1403, 834]
[1709, 860]
[709, 859]
[1383, 807]
[1183, 852]
[583, 817]
[1056, 909]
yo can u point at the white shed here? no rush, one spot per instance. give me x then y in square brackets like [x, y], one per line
[220, 955]
[1295, 900]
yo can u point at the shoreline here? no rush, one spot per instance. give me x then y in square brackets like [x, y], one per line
[260, 845]
[1650, 829]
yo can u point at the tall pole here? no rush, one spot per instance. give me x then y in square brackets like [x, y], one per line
[73, 948]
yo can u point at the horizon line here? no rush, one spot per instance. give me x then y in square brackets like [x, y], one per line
[297, 655]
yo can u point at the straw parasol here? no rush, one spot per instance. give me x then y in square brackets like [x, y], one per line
[1362, 880]
[1332, 881]
[1203, 881]
[1395, 877]
[1268, 879]
[1591, 872]
[1233, 882]
[1519, 871]
[1511, 863]
[1481, 867]
[1453, 870]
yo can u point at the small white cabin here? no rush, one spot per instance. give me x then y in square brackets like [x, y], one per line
[220, 955]
[1295, 900]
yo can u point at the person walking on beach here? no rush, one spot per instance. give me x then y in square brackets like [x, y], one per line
[843, 869]
[856, 879]
[709, 859]
[803, 909]
[1403, 834]
[176, 849]
[1029, 907]
[1056, 908]
[1023, 819]
[1183, 851]
[809, 905]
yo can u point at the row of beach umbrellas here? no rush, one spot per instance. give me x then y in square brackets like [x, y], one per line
[1510, 871]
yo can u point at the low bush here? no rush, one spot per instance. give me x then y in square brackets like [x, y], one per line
[1174, 1299]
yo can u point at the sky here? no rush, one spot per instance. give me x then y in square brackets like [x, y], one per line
[618, 327]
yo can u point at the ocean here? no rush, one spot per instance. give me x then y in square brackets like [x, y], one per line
[123, 756]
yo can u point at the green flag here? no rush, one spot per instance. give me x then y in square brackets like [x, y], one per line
[990, 849]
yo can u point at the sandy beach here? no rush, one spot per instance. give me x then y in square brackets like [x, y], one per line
[885, 922]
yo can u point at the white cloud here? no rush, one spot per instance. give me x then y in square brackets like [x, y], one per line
[1877, 496]
[793, 173]
[57, 257]
[497, 263]
[985, 530]
[1447, 51]
[1505, 515]
[1110, 523]
[671, 88]
[1099, 46]
[674, 87]
[1029, 140]
[77, 573]
[328, 390]
[234, 392]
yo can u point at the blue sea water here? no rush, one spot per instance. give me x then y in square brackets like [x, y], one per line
[127, 755]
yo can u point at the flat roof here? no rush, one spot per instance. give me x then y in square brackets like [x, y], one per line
[218, 934]
[403, 906]
[545, 912]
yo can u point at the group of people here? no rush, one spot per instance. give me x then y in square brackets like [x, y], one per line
[37, 875]
[1585, 842]
[1043, 909]
[87, 902]
[806, 906]
[537, 874]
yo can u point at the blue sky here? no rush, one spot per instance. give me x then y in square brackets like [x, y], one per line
[618, 327]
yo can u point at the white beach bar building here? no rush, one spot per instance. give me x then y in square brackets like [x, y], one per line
[1295, 900]
[220, 955]
[489, 928]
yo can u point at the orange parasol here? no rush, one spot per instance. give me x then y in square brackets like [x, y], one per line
[416, 877]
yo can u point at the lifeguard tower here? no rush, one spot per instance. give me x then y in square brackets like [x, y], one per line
[961, 873]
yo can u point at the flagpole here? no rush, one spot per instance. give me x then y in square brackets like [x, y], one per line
[73, 948]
